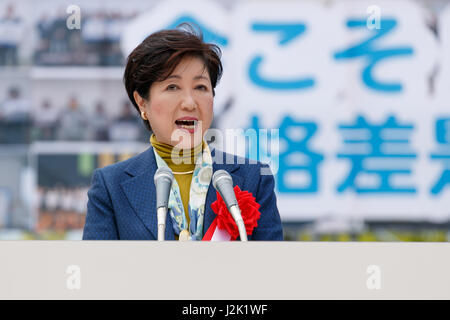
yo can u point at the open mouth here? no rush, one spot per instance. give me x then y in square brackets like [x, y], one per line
[189, 125]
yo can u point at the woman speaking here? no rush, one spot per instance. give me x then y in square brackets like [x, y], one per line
[170, 79]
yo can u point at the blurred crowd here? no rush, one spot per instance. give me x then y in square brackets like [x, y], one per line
[11, 32]
[96, 42]
[61, 208]
[20, 123]
[63, 199]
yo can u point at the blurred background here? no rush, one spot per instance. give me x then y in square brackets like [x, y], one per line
[350, 99]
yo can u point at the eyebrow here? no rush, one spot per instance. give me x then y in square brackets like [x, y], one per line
[195, 78]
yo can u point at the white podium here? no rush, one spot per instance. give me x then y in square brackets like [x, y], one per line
[223, 270]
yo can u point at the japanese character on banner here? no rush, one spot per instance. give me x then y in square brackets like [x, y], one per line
[296, 156]
[442, 154]
[378, 153]
[374, 53]
[287, 32]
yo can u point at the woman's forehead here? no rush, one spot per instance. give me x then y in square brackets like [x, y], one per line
[192, 67]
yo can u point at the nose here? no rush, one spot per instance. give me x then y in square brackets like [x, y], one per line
[188, 102]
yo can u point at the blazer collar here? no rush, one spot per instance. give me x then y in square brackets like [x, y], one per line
[141, 192]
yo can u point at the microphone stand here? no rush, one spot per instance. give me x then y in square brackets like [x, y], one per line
[236, 214]
[161, 215]
[163, 181]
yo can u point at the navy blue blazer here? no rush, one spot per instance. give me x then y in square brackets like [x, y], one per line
[122, 199]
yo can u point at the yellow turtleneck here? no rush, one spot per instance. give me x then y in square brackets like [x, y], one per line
[187, 159]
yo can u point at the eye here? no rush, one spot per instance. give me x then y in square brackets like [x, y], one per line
[202, 87]
[172, 87]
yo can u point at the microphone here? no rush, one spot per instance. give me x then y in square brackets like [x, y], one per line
[223, 183]
[163, 182]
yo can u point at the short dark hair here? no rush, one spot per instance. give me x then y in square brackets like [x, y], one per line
[160, 53]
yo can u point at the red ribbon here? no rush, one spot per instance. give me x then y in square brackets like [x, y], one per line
[224, 221]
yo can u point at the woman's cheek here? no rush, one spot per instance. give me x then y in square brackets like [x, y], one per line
[158, 117]
[208, 108]
[159, 113]
[155, 109]
[208, 120]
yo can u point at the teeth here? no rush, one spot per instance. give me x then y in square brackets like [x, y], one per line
[187, 124]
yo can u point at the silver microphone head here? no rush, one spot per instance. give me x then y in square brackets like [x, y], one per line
[220, 175]
[163, 182]
[223, 183]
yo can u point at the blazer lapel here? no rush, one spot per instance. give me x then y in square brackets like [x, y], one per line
[141, 193]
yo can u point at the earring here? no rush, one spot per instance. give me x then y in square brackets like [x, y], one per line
[143, 115]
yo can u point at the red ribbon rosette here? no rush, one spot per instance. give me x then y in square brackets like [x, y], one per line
[249, 211]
